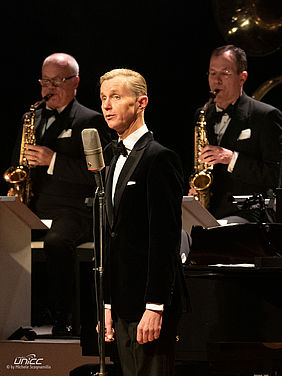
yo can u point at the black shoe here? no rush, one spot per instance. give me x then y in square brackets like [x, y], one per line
[62, 330]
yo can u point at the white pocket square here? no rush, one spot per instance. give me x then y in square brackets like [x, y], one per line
[246, 133]
[131, 182]
[66, 133]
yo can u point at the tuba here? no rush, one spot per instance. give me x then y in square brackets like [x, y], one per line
[19, 177]
[201, 179]
[266, 86]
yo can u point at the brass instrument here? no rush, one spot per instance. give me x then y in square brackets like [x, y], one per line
[265, 87]
[254, 25]
[19, 176]
[201, 178]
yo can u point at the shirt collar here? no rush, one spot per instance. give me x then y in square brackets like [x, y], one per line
[131, 140]
[61, 109]
[218, 109]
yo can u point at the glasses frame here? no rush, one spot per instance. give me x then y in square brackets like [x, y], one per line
[51, 81]
[224, 74]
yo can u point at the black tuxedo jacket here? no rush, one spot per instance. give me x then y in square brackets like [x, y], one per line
[143, 229]
[255, 132]
[71, 182]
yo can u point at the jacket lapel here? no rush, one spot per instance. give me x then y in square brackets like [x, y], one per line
[64, 121]
[125, 174]
[237, 123]
[37, 119]
[108, 191]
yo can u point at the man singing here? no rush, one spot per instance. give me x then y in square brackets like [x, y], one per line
[144, 189]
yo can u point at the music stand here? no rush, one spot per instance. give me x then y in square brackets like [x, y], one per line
[194, 214]
[16, 222]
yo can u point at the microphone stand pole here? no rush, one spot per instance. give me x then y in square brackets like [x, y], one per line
[101, 324]
[278, 192]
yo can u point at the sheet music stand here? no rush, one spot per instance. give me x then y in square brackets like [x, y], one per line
[16, 222]
[194, 214]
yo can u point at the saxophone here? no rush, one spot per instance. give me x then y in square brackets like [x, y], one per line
[19, 177]
[201, 178]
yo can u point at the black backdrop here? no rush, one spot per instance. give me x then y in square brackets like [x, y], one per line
[169, 42]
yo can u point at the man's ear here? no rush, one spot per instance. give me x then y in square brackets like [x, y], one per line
[244, 76]
[77, 81]
[142, 101]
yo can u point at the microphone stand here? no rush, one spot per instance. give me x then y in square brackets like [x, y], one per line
[278, 192]
[101, 325]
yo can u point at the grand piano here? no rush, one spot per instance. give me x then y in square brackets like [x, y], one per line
[234, 278]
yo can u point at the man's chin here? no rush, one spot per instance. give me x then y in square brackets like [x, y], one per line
[113, 125]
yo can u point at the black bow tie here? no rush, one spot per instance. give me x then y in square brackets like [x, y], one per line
[119, 148]
[47, 113]
[217, 116]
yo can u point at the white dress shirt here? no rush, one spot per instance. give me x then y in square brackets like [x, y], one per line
[47, 125]
[219, 130]
[129, 143]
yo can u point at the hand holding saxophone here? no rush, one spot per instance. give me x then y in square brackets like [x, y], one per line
[212, 155]
[19, 176]
[38, 155]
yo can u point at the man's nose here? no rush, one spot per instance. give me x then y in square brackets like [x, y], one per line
[218, 78]
[106, 104]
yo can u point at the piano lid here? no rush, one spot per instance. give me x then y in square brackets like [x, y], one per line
[235, 244]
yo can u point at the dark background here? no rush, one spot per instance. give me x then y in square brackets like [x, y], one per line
[169, 42]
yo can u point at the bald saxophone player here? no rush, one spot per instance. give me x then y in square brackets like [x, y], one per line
[60, 179]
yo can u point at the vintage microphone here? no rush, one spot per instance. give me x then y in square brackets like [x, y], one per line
[95, 163]
[93, 153]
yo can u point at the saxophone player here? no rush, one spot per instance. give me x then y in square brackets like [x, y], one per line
[244, 138]
[60, 180]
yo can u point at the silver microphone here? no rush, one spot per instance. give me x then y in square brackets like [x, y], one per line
[92, 149]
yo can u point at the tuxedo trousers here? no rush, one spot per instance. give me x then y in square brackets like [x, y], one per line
[69, 229]
[154, 358]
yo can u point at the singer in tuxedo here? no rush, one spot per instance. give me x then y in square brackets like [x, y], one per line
[244, 136]
[143, 193]
[60, 179]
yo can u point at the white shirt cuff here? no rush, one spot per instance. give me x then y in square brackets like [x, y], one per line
[233, 161]
[52, 164]
[155, 307]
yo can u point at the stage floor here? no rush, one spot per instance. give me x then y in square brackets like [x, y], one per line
[42, 356]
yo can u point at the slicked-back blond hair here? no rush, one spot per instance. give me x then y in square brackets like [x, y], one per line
[136, 82]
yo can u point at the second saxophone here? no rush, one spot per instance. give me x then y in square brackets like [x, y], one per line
[201, 178]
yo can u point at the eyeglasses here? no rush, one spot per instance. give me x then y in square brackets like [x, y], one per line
[46, 82]
[225, 74]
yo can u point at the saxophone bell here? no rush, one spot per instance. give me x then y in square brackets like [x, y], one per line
[15, 175]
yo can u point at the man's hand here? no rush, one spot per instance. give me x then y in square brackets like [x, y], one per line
[109, 330]
[192, 192]
[38, 155]
[11, 192]
[215, 154]
[149, 327]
